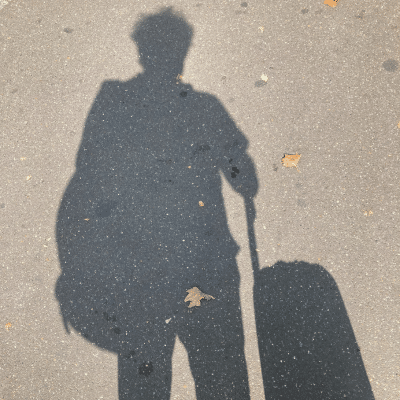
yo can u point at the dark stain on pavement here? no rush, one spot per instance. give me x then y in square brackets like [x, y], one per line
[301, 203]
[234, 172]
[107, 317]
[305, 10]
[391, 65]
[361, 15]
[130, 354]
[68, 30]
[104, 209]
[146, 369]
[260, 83]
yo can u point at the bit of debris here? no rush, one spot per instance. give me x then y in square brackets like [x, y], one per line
[87, 219]
[201, 204]
[291, 161]
[8, 325]
[28, 178]
[264, 78]
[368, 213]
[24, 158]
[195, 295]
[167, 321]
[332, 3]
[398, 125]
[261, 29]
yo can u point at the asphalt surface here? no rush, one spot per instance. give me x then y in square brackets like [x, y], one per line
[104, 227]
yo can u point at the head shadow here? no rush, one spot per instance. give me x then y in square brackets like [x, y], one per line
[162, 40]
[142, 221]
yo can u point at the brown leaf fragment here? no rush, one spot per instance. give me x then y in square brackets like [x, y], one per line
[291, 160]
[195, 295]
[201, 204]
[332, 3]
[29, 177]
[8, 325]
[86, 219]
[398, 125]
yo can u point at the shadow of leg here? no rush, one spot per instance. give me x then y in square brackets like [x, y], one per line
[213, 336]
[146, 372]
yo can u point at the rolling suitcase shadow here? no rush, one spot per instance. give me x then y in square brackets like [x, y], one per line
[307, 346]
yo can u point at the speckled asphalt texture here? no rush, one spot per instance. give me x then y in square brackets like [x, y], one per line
[141, 148]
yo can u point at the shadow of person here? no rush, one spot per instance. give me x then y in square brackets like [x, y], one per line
[308, 350]
[142, 221]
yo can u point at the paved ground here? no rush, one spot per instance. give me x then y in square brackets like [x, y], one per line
[295, 77]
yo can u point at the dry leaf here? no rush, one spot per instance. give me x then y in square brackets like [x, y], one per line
[28, 177]
[398, 125]
[8, 325]
[264, 77]
[291, 160]
[332, 3]
[261, 29]
[87, 219]
[195, 295]
[201, 204]
[24, 158]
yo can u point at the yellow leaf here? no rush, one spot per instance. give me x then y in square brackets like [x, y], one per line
[195, 295]
[332, 3]
[291, 160]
